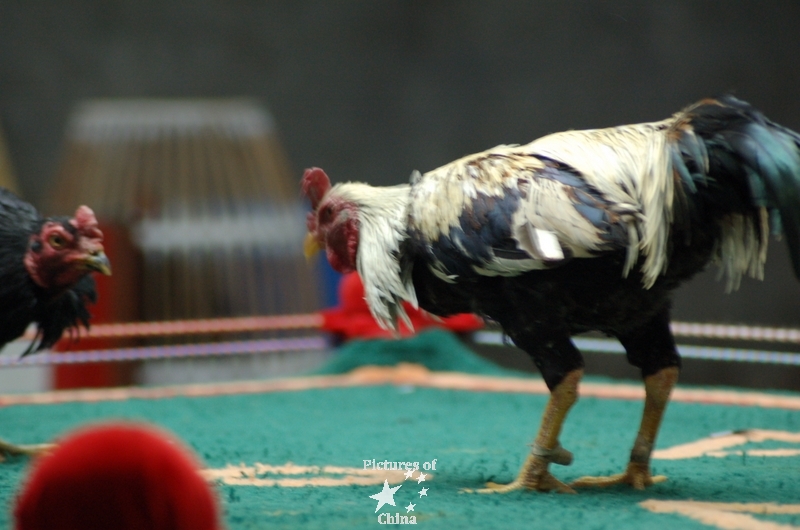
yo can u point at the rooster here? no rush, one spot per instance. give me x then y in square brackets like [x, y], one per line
[45, 266]
[576, 231]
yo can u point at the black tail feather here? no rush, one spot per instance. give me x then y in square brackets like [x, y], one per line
[747, 147]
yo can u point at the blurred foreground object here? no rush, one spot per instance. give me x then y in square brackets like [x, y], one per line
[351, 319]
[117, 477]
[199, 202]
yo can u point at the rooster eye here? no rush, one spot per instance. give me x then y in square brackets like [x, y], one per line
[56, 241]
[326, 214]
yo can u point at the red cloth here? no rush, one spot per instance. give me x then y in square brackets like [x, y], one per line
[352, 319]
[120, 477]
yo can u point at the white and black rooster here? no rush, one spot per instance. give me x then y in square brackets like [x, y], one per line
[576, 231]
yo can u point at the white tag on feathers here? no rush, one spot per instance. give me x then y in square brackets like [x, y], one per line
[543, 244]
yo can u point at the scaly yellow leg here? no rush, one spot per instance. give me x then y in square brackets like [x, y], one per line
[534, 474]
[657, 390]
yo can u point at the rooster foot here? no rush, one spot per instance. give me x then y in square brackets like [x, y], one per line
[545, 482]
[636, 475]
[533, 476]
[9, 449]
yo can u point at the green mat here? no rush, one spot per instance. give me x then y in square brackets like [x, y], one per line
[474, 437]
[436, 349]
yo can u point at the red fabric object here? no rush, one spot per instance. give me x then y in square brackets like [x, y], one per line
[352, 319]
[120, 477]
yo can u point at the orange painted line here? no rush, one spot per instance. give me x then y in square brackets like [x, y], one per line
[201, 326]
[314, 320]
[735, 332]
[726, 515]
[403, 374]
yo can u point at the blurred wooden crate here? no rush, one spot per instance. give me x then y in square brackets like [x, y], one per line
[205, 194]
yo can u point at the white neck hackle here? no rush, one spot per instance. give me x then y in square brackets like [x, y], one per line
[383, 217]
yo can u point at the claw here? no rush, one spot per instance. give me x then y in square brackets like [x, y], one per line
[546, 482]
[533, 476]
[637, 475]
[9, 449]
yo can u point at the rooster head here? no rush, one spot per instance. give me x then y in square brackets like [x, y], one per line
[332, 223]
[65, 250]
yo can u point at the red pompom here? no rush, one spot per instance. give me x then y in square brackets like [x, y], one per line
[121, 477]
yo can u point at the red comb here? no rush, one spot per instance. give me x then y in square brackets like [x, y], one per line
[86, 222]
[315, 185]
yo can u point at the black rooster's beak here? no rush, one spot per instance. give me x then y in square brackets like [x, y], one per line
[98, 261]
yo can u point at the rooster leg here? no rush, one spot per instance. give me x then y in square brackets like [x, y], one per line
[657, 388]
[9, 449]
[534, 474]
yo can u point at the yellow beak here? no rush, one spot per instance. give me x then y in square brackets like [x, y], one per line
[98, 261]
[311, 246]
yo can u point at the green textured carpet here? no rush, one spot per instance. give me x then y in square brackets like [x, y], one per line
[473, 436]
[435, 349]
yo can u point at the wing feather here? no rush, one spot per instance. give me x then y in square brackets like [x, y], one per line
[504, 212]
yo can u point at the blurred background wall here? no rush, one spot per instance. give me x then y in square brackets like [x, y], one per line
[371, 90]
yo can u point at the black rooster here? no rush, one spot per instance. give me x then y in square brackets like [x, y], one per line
[45, 267]
[576, 231]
